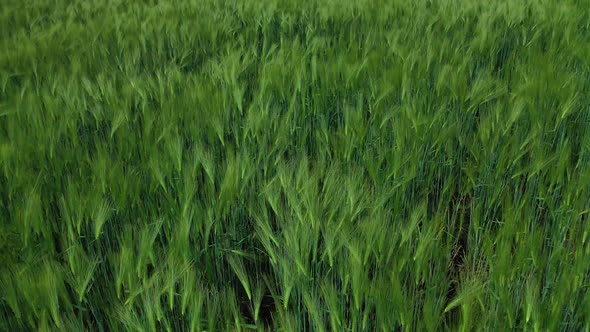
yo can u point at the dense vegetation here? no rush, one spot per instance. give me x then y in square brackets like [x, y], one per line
[294, 165]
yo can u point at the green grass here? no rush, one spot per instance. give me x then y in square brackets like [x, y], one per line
[294, 165]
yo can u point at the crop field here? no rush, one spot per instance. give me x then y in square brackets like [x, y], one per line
[294, 165]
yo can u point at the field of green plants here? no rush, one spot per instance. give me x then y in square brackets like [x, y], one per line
[294, 165]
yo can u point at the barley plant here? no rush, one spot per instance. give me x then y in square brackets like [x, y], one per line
[294, 165]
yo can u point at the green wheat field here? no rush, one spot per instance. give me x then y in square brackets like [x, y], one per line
[294, 165]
